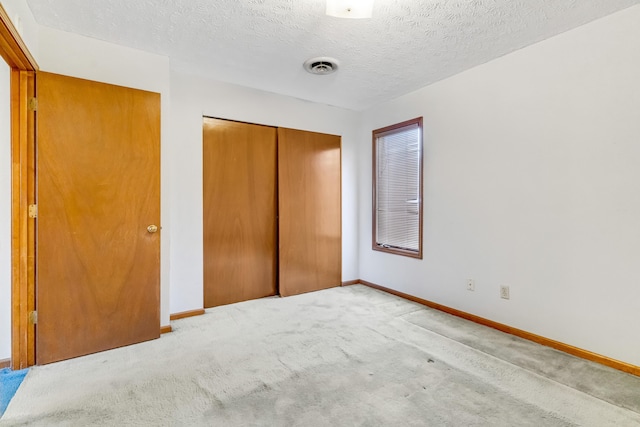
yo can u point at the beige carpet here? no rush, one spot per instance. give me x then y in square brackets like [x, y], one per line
[349, 356]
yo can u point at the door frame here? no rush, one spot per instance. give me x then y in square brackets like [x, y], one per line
[23, 174]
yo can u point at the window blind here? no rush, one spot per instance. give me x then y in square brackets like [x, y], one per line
[398, 205]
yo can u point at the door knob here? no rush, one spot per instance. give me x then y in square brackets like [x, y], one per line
[152, 228]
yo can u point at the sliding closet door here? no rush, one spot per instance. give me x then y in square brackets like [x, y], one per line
[309, 211]
[239, 172]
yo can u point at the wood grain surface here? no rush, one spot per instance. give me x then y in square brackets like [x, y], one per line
[239, 184]
[23, 179]
[98, 268]
[23, 66]
[185, 314]
[310, 240]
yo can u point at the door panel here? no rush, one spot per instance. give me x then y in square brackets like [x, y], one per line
[239, 183]
[310, 242]
[98, 268]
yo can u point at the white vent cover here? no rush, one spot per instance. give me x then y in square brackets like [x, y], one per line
[321, 65]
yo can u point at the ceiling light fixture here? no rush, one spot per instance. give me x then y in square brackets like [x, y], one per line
[355, 9]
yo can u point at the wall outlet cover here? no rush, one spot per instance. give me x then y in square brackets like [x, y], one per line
[504, 292]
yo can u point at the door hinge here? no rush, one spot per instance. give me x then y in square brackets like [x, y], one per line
[33, 104]
[33, 317]
[33, 211]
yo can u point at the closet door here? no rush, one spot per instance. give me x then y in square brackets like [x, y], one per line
[239, 172]
[309, 187]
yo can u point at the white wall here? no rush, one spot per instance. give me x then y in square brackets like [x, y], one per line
[87, 58]
[532, 180]
[192, 97]
[5, 212]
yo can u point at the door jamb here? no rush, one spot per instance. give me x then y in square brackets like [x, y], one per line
[23, 177]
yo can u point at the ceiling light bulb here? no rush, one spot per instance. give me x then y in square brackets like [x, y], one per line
[356, 9]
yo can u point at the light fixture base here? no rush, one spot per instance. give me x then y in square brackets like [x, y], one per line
[354, 9]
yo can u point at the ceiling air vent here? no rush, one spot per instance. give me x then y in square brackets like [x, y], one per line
[321, 65]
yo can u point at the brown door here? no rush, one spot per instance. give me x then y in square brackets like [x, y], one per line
[310, 241]
[98, 267]
[239, 183]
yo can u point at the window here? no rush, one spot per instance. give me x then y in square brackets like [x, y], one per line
[397, 188]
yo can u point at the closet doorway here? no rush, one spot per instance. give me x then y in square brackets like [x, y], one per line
[272, 211]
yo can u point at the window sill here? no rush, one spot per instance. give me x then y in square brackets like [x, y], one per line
[398, 251]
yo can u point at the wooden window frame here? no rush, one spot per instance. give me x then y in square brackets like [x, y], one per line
[23, 177]
[374, 244]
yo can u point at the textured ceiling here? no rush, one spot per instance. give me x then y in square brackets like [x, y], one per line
[263, 43]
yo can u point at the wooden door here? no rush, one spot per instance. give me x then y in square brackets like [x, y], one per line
[239, 183]
[98, 267]
[310, 242]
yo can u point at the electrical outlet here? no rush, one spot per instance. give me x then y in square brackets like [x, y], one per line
[471, 285]
[504, 292]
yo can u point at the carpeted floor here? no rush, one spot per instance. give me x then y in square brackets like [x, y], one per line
[348, 356]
